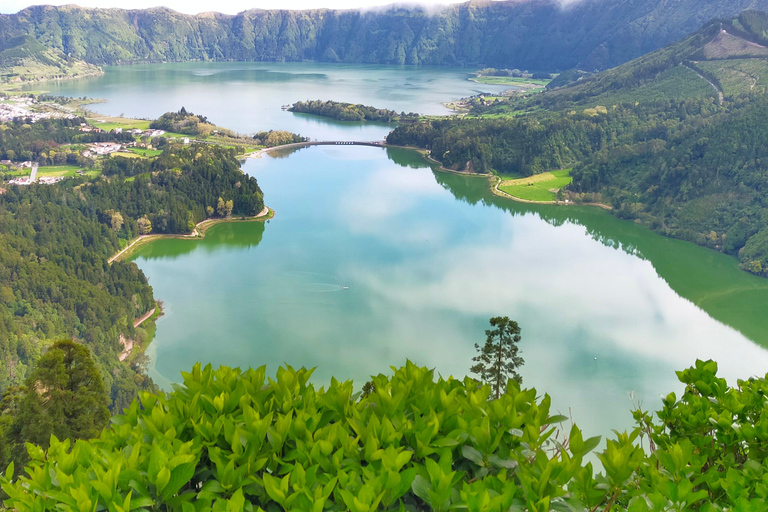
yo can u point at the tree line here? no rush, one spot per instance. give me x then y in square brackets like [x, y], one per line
[350, 111]
[690, 169]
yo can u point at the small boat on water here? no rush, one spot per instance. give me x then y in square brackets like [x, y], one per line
[346, 287]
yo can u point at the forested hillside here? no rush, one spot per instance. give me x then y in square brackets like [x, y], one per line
[24, 58]
[56, 240]
[676, 139]
[533, 34]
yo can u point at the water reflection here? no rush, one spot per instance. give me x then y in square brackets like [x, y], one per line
[369, 262]
[709, 279]
[220, 237]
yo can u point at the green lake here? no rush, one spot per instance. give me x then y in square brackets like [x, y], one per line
[374, 258]
[608, 309]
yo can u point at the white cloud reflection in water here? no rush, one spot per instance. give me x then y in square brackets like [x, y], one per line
[425, 273]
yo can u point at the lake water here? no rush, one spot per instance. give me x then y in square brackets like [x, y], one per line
[247, 96]
[606, 307]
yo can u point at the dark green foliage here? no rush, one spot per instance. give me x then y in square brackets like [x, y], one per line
[350, 111]
[42, 141]
[55, 242]
[278, 138]
[704, 181]
[179, 122]
[498, 360]
[64, 396]
[537, 35]
[231, 440]
[533, 144]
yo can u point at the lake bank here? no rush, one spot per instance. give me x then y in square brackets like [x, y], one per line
[197, 233]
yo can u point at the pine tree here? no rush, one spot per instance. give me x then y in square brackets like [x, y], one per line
[63, 396]
[498, 360]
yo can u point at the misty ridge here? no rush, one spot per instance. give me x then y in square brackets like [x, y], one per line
[547, 35]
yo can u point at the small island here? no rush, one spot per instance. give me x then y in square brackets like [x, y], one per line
[351, 112]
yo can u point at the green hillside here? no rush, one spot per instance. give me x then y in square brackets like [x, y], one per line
[24, 58]
[540, 35]
[730, 54]
[675, 139]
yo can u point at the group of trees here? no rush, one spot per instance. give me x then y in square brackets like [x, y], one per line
[41, 141]
[182, 122]
[539, 75]
[64, 396]
[350, 112]
[277, 138]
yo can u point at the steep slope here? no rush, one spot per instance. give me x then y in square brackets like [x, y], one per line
[534, 34]
[725, 54]
[24, 58]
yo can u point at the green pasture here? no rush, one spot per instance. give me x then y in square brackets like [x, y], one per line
[540, 187]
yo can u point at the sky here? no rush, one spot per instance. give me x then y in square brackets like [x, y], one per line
[225, 6]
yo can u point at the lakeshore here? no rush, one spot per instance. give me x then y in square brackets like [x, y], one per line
[197, 233]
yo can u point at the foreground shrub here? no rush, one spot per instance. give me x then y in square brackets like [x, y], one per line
[231, 440]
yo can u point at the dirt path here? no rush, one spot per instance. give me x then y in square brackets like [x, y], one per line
[197, 232]
[143, 318]
[720, 95]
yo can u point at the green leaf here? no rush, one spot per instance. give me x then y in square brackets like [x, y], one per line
[421, 488]
[591, 443]
[472, 454]
[180, 476]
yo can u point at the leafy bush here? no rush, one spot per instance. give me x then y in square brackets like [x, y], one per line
[232, 440]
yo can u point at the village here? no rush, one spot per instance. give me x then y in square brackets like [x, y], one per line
[142, 140]
[15, 107]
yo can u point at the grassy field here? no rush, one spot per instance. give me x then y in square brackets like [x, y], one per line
[538, 187]
[145, 152]
[108, 123]
[126, 154]
[64, 170]
[739, 76]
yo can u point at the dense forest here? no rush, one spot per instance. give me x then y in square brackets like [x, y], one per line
[56, 240]
[350, 111]
[540, 36]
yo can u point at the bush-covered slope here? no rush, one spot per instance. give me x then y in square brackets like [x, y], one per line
[25, 58]
[534, 34]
